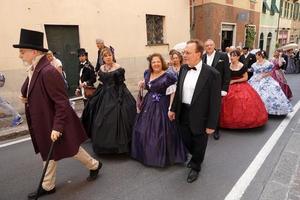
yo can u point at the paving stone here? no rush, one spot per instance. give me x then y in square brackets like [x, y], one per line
[293, 197]
[285, 168]
[274, 191]
[294, 144]
[295, 184]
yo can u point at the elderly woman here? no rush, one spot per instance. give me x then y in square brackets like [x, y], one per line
[155, 141]
[176, 59]
[58, 66]
[109, 114]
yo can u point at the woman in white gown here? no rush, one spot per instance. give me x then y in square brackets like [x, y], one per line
[268, 89]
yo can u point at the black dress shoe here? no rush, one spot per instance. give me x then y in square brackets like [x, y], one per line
[42, 192]
[94, 173]
[193, 175]
[189, 165]
[216, 135]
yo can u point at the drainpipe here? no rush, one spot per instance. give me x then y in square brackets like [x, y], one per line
[192, 18]
[278, 23]
[277, 35]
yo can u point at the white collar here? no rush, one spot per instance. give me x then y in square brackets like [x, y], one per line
[199, 65]
[83, 63]
[212, 54]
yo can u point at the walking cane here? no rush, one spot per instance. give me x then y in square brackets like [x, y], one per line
[44, 171]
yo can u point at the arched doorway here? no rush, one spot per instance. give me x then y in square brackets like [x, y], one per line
[261, 41]
[269, 39]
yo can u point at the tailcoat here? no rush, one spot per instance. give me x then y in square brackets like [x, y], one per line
[48, 109]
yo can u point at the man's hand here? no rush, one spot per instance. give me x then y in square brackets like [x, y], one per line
[209, 131]
[171, 115]
[77, 92]
[23, 99]
[81, 85]
[55, 135]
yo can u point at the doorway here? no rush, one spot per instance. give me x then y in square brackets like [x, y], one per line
[227, 37]
[269, 39]
[228, 33]
[63, 41]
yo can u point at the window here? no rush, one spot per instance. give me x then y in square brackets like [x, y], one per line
[155, 32]
[296, 10]
[299, 12]
[274, 8]
[265, 6]
[286, 9]
[281, 8]
[269, 40]
[291, 13]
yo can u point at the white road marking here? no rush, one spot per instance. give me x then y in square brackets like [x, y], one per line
[241, 185]
[14, 142]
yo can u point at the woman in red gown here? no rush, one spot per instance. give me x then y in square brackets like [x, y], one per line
[242, 107]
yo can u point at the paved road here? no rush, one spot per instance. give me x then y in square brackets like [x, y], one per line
[125, 179]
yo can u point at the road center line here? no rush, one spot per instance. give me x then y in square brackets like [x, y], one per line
[242, 184]
[14, 142]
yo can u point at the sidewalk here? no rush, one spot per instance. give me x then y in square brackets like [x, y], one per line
[9, 132]
[284, 183]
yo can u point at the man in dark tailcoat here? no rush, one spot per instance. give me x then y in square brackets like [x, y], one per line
[220, 62]
[247, 59]
[48, 112]
[87, 76]
[196, 104]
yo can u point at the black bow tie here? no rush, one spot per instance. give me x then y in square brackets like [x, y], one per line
[193, 68]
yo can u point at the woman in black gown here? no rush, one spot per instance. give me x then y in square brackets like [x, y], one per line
[109, 114]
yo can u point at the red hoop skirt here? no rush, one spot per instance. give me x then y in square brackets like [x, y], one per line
[242, 108]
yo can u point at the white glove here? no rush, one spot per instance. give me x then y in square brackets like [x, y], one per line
[223, 93]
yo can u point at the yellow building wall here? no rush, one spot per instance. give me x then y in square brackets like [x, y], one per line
[122, 24]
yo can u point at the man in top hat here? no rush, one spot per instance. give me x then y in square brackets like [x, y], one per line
[87, 76]
[53, 118]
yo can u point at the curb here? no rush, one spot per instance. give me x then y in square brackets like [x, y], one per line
[13, 132]
[7, 133]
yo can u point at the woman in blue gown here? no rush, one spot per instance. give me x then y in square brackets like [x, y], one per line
[155, 140]
[268, 89]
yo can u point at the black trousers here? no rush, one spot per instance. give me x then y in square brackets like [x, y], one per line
[195, 142]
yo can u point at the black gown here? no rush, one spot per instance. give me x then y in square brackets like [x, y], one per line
[109, 115]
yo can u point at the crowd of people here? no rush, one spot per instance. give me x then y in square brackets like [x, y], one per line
[197, 92]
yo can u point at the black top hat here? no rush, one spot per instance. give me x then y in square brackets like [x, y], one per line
[82, 51]
[31, 40]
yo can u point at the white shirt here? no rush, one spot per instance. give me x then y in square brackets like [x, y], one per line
[228, 54]
[31, 68]
[210, 58]
[246, 55]
[189, 83]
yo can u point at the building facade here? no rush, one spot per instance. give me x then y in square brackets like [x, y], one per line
[269, 19]
[289, 22]
[134, 28]
[227, 22]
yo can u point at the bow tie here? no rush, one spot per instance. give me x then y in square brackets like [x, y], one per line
[193, 68]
